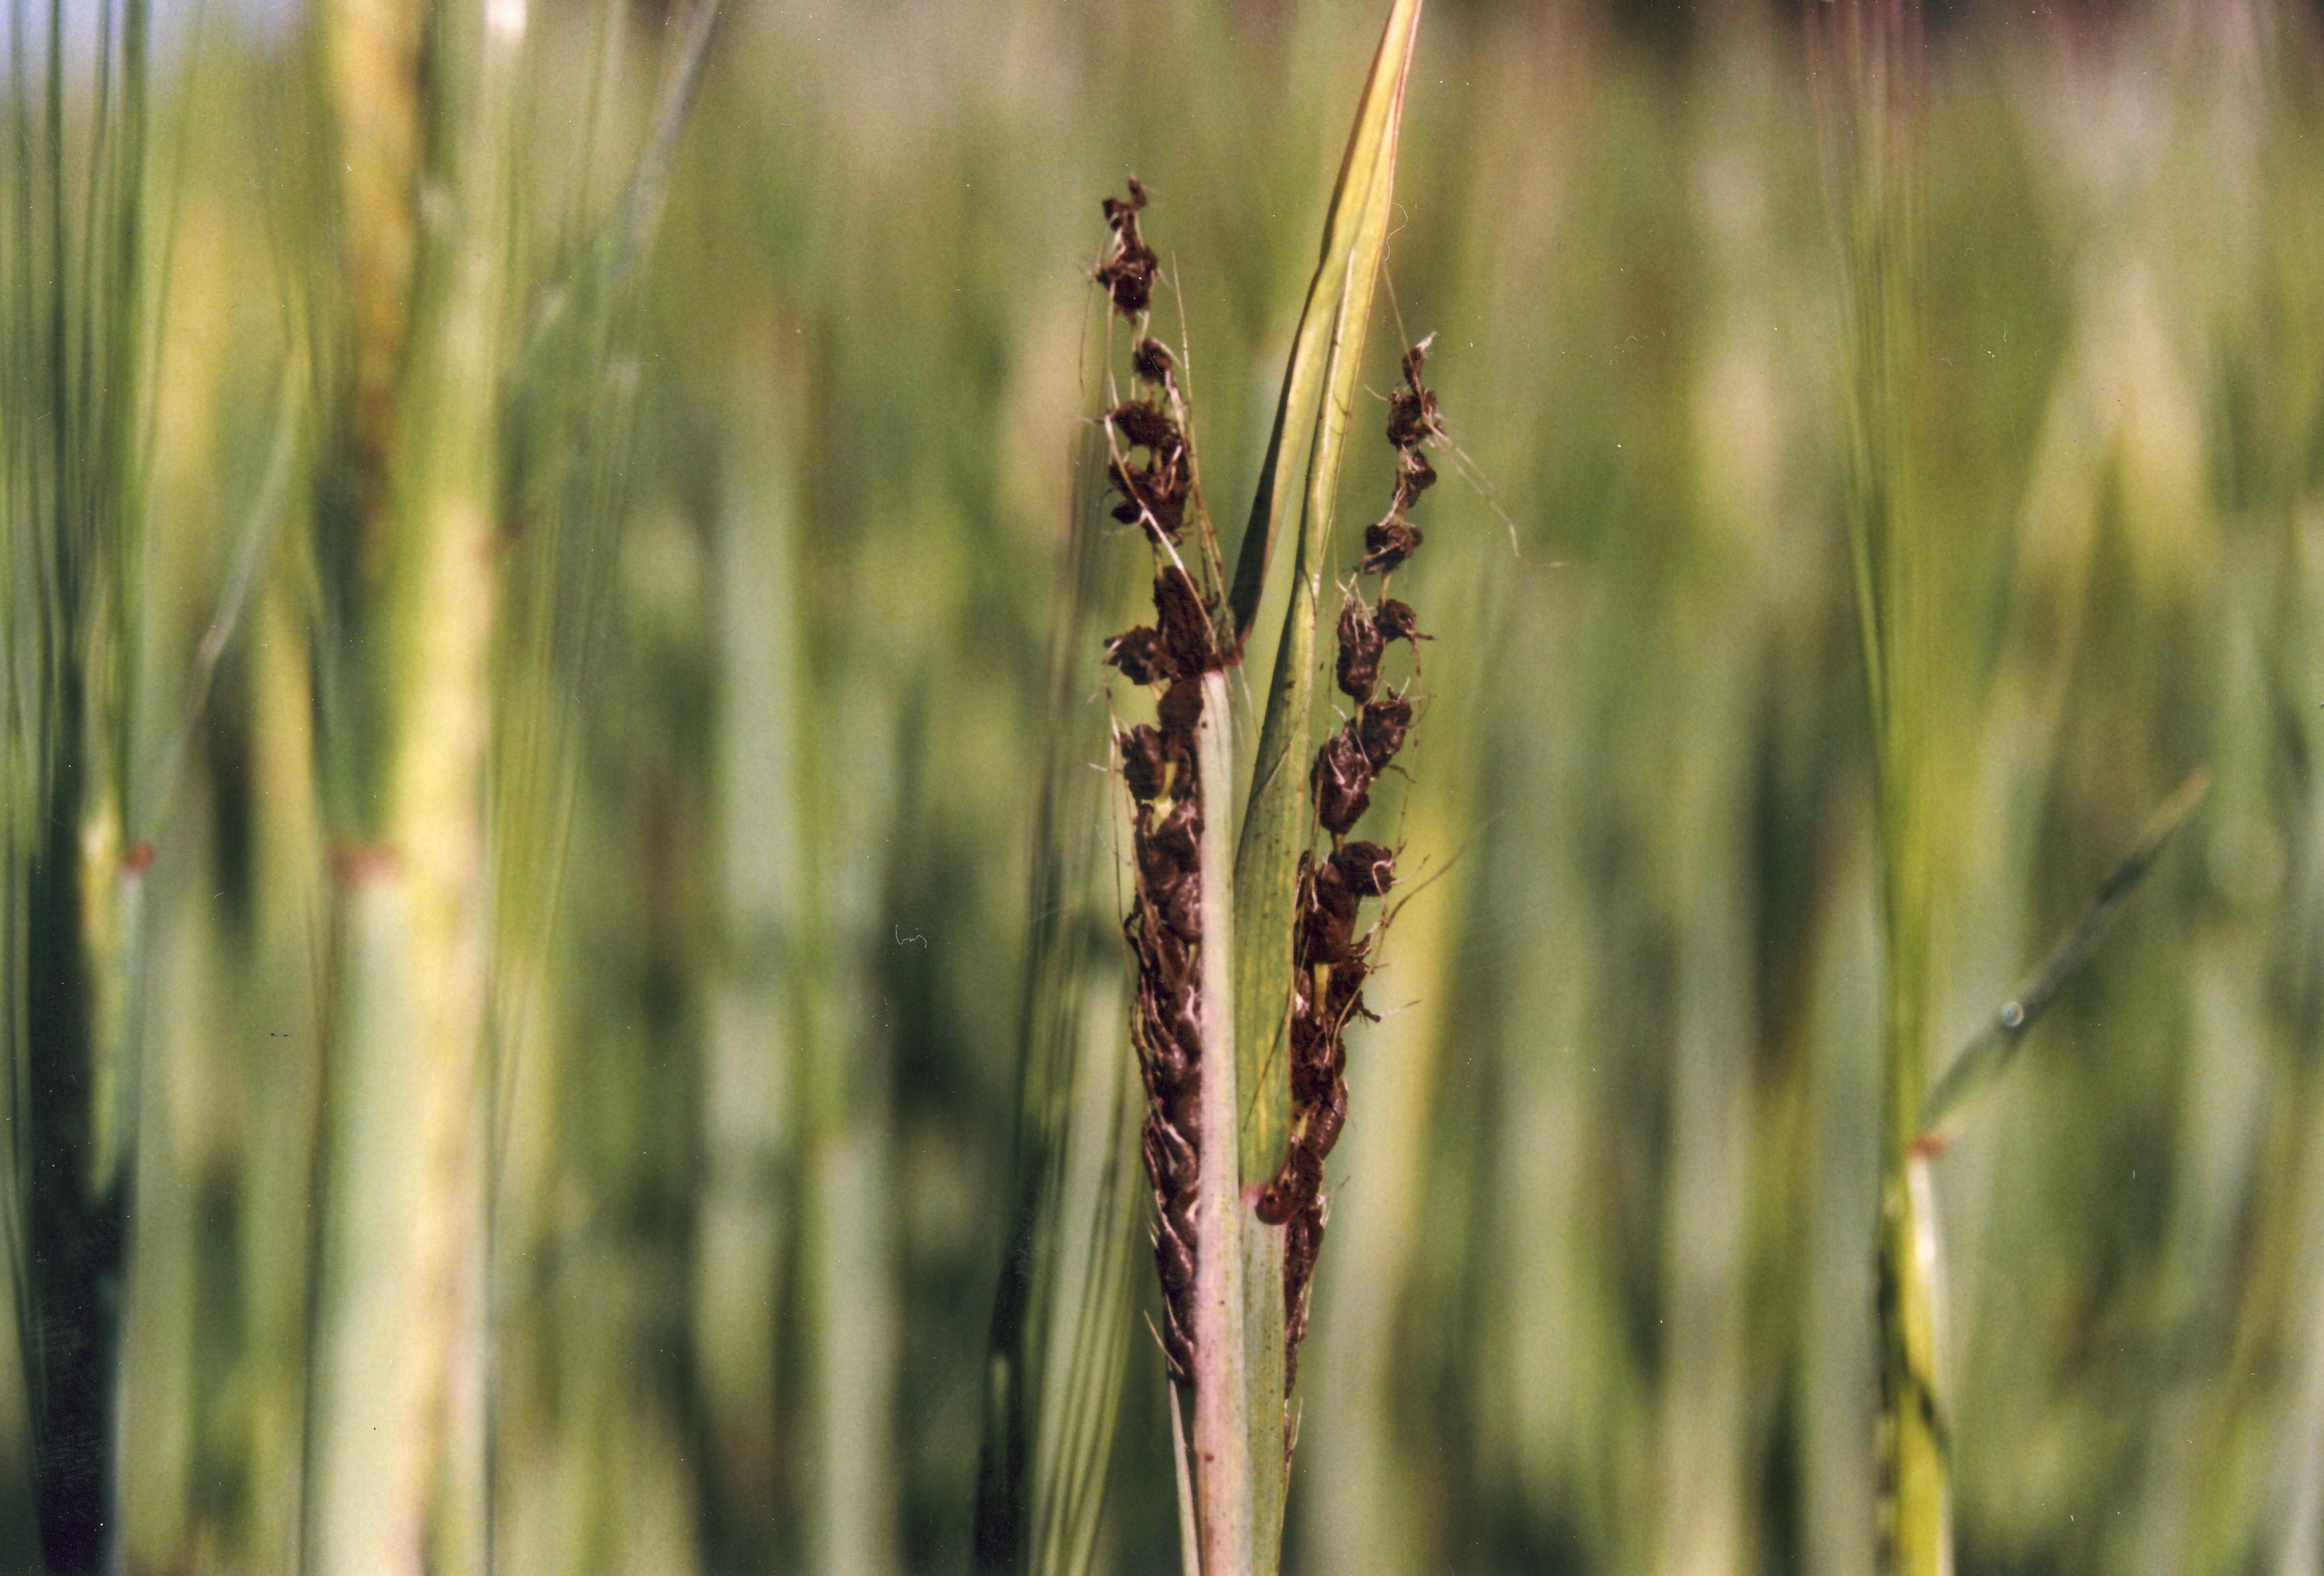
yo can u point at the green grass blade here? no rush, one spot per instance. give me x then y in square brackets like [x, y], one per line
[253, 551]
[1319, 394]
[1984, 1059]
[1190, 1562]
[1086, 1279]
[581, 309]
[1061, 1317]
[1871, 54]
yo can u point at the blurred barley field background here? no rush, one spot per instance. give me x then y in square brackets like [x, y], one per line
[763, 404]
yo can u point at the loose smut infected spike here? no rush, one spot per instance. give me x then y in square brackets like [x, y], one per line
[1164, 927]
[1330, 960]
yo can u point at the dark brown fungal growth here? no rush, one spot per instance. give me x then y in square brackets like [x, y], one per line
[1144, 763]
[1332, 949]
[1150, 468]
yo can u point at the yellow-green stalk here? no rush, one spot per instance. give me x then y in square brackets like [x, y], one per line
[75, 371]
[1869, 68]
[395, 1449]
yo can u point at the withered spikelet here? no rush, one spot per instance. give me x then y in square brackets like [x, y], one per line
[1164, 927]
[1331, 957]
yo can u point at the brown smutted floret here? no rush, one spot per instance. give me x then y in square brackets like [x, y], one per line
[1172, 847]
[1185, 622]
[1381, 728]
[1153, 495]
[1150, 361]
[1361, 641]
[1144, 765]
[1395, 620]
[1351, 760]
[1388, 546]
[1301, 1243]
[1330, 918]
[1299, 1180]
[1342, 782]
[1364, 635]
[1344, 995]
[1129, 265]
[1143, 424]
[1325, 1118]
[1414, 476]
[1181, 708]
[1138, 653]
[1368, 869]
[1412, 415]
[1150, 468]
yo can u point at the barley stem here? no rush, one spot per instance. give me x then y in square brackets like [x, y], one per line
[1224, 1450]
[1874, 50]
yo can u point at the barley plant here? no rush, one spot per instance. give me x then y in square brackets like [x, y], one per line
[1554, 811]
